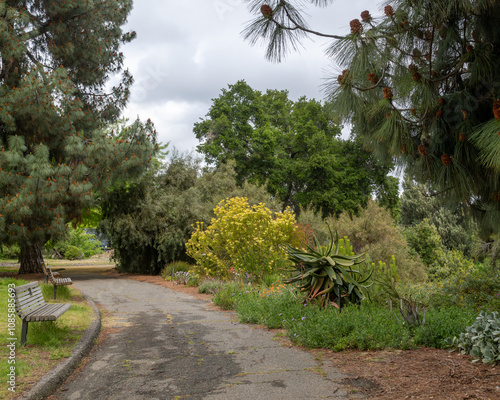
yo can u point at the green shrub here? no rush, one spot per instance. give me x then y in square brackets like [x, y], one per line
[424, 239]
[476, 287]
[210, 286]
[73, 253]
[268, 307]
[9, 252]
[367, 326]
[173, 267]
[227, 296]
[449, 261]
[373, 233]
[87, 244]
[482, 338]
[443, 324]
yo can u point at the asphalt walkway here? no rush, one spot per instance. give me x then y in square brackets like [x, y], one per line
[168, 345]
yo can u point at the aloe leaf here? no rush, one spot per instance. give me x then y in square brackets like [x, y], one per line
[335, 305]
[337, 242]
[327, 290]
[331, 273]
[345, 263]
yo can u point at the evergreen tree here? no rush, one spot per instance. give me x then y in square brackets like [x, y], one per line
[294, 148]
[420, 84]
[56, 155]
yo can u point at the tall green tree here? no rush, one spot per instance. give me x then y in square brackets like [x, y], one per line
[420, 84]
[453, 224]
[149, 221]
[57, 156]
[294, 148]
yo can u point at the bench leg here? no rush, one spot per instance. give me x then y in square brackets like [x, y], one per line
[55, 291]
[46, 279]
[24, 332]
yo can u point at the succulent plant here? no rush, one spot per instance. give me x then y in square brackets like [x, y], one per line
[326, 275]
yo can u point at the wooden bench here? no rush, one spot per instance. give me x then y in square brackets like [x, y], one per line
[49, 276]
[31, 307]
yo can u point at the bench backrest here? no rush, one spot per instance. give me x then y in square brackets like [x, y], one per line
[48, 273]
[28, 298]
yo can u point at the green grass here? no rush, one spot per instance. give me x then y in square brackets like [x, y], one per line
[365, 327]
[63, 292]
[46, 341]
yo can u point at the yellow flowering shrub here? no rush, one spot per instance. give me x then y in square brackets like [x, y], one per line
[242, 237]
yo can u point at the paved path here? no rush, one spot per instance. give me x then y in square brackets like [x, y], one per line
[169, 345]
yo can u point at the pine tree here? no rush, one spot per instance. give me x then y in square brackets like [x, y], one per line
[420, 84]
[57, 154]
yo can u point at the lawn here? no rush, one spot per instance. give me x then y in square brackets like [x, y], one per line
[47, 342]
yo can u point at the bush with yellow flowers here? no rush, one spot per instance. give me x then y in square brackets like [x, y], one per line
[242, 237]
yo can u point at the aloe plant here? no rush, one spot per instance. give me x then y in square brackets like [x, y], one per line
[327, 275]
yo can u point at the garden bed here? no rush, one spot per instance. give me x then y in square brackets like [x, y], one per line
[422, 373]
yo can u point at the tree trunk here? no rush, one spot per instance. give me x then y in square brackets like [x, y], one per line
[31, 259]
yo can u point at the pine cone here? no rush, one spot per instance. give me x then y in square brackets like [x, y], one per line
[462, 137]
[388, 115]
[266, 10]
[439, 114]
[365, 16]
[389, 11]
[441, 101]
[416, 76]
[446, 159]
[342, 79]
[470, 48]
[405, 24]
[373, 78]
[423, 150]
[356, 26]
[496, 109]
[387, 93]
[464, 113]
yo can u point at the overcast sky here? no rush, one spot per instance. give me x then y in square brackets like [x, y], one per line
[186, 51]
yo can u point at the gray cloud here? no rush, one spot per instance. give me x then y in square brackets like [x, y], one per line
[187, 51]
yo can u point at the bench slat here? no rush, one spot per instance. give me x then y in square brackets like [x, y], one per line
[63, 281]
[26, 286]
[50, 312]
[26, 295]
[47, 309]
[24, 299]
[31, 302]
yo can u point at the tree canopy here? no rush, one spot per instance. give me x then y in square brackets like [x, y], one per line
[420, 84]
[57, 154]
[293, 147]
[150, 220]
